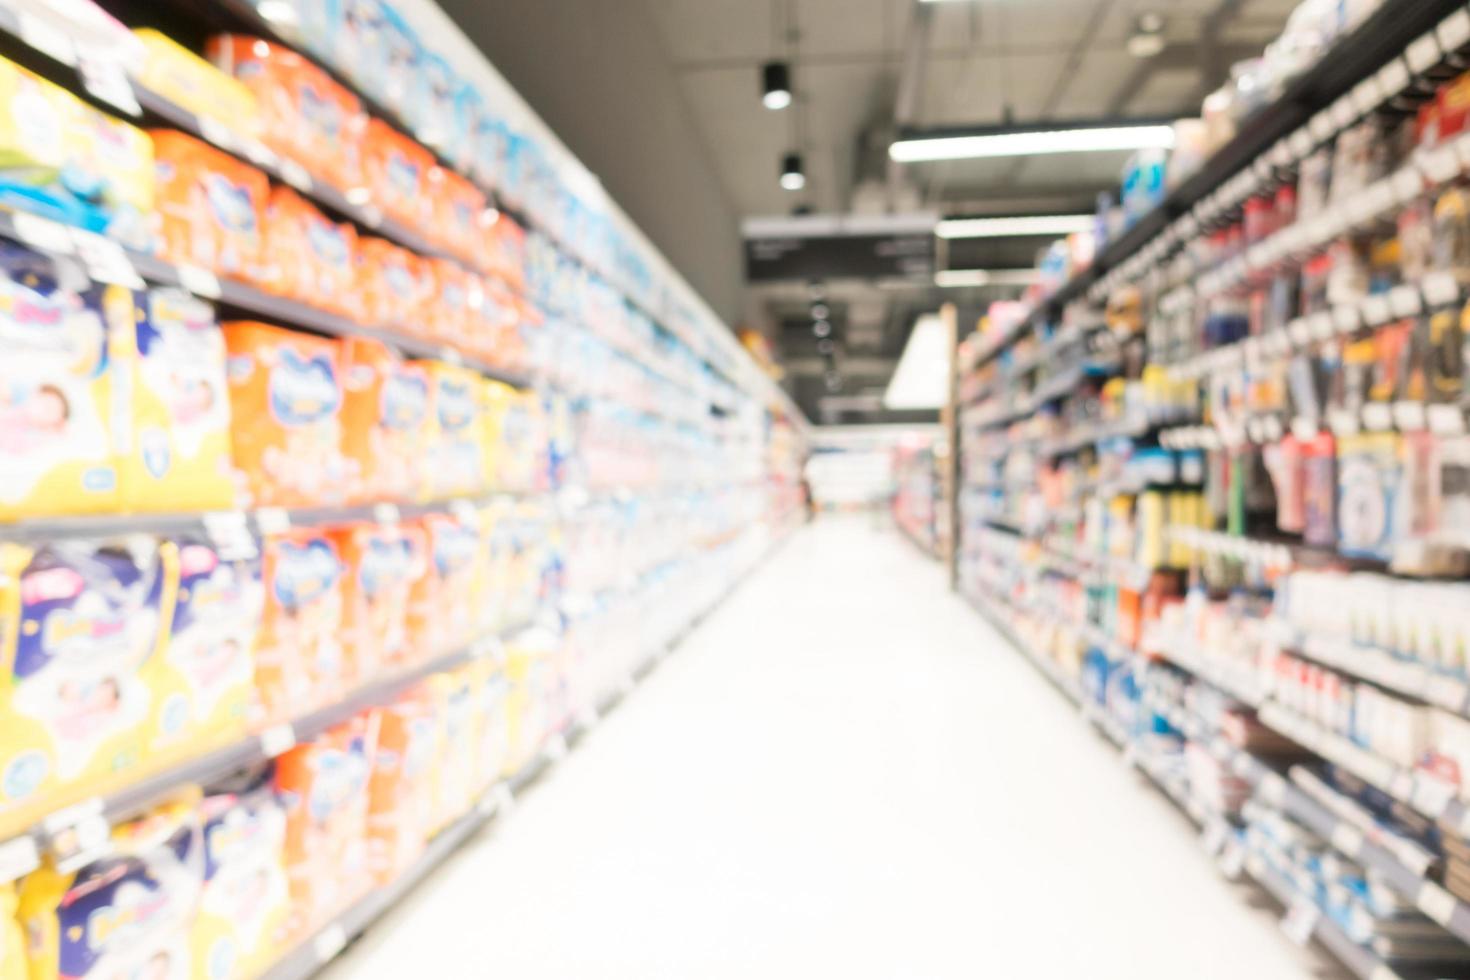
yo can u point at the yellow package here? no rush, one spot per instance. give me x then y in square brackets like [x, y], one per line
[456, 775]
[80, 621]
[240, 925]
[176, 454]
[13, 964]
[124, 915]
[187, 80]
[204, 683]
[61, 158]
[455, 430]
[496, 400]
[57, 424]
[528, 703]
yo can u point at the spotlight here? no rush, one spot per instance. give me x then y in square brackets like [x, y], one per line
[776, 76]
[822, 328]
[817, 290]
[793, 178]
[820, 311]
[834, 381]
[1147, 38]
[826, 346]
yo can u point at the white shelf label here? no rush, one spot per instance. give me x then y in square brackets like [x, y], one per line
[1441, 289]
[1442, 163]
[43, 233]
[1343, 422]
[1432, 795]
[1344, 112]
[556, 747]
[1301, 144]
[1320, 127]
[260, 154]
[104, 77]
[277, 740]
[463, 510]
[386, 513]
[47, 38]
[1408, 183]
[1408, 416]
[1346, 319]
[1216, 832]
[1367, 95]
[1347, 839]
[505, 800]
[1376, 310]
[1320, 325]
[450, 355]
[18, 857]
[1447, 692]
[272, 520]
[371, 215]
[200, 282]
[1377, 416]
[296, 175]
[329, 942]
[1454, 31]
[1423, 53]
[217, 133]
[1232, 860]
[105, 259]
[1446, 420]
[1405, 300]
[1393, 77]
[1303, 428]
[1299, 332]
[1436, 903]
[1301, 921]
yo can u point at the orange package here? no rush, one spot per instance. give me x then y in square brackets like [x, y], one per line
[499, 322]
[298, 651]
[323, 787]
[505, 252]
[309, 258]
[385, 421]
[401, 789]
[305, 116]
[448, 315]
[380, 564]
[442, 603]
[285, 418]
[459, 214]
[211, 206]
[396, 172]
[394, 286]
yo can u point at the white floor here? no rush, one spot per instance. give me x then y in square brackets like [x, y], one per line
[843, 773]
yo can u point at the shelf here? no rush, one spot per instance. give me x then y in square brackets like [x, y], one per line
[1407, 677]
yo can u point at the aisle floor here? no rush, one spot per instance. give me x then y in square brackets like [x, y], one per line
[843, 772]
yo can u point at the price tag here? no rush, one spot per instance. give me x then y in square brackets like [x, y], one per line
[1346, 319]
[105, 78]
[1454, 31]
[1320, 127]
[1343, 422]
[485, 805]
[1447, 692]
[261, 155]
[1441, 289]
[450, 355]
[463, 510]
[1273, 789]
[1409, 416]
[1346, 839]
[217, 133]
[1393, 78]
[556, 747]
[1344, 113]
[1431, 795]
[1215, 834]
[1446, 420]
[1232, 860]
[296, 175]
[105, 259]
[1281, 155]
[505, 800]
[1377, 416]
[1423, 54]
[1301, 144]
[272, 520]
[1436, 903]
[1301, 921]
[371, 215]
[18, 857]
[1367, 95]
[1303, 428]
[1271, 429]
[329, 942]
[277, 740]
[200, 282]
[1405, 300]
[47, 38]
[43, 233]
[1375, 309]
[386, 513]
[1262, 169]
[1320, 325]
[1299, 333]
[588, 718]
[1408, 183]
[1442, 163]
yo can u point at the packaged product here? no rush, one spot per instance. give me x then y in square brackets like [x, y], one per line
[240, 925]
[298, 653]
[385, 421]
[459, 214]
[1369, 476]
[394, 285]
[125, 915]
[211, 207]
[396, 172]
[57, 437]
[449, 316]
[401, 789]
[490, 144]
[176, 453]
[1319, 490]
[380, 564]
[528, 672]
[494, 748]
[433, 104]
[495, 337]
[457, 699]
[304, 115]
[61, 158]
[204, 684]
[456, 427]
[377, 49]
[323, 787]
[188, 81]
[309, 258]
[442, 605]
[285, 415]
[1451, 248]
[80, 621]
[13, 963]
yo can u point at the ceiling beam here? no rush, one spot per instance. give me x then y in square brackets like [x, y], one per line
[908, 102]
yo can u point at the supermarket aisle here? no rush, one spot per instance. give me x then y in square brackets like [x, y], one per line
[843, 773]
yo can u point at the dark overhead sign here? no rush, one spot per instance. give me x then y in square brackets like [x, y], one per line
[836, 248]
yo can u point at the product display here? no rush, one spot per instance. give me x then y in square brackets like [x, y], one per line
[336, 500]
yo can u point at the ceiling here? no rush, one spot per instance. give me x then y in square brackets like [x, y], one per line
[979, 62]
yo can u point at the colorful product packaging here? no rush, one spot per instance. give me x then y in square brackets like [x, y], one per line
[285, 405]
[456, 427]
[396, 172]
[401, 789]
[372, 43]
[80, 621]
[1369, 477]
[393, 285]
[505, 253]
[323, 787]
[457, 699]
[459, 214]
[211, 207]
[188, 81]
[449, 315]
[176, 453]
[386, 421]
[63, 159]
[13, 962]
[304, 115]
[432, 104]
[443, 602]
[494, 748]
[57, 435]
[204, 683]
[380, 565]
[125, 915]
[240, 924]
[309, 258]
[298, 652]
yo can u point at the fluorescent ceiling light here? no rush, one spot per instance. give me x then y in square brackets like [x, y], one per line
[1035, 224]
[959, 278]
[1036, 143]
[921, 379]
